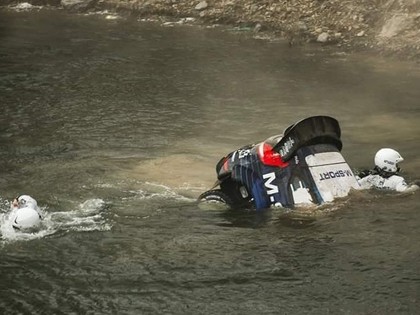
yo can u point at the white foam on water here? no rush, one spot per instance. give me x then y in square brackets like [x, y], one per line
[88, 216]
[108, 15]
[24, 6]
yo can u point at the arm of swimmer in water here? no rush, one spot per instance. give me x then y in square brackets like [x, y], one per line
[407, 188]
[413, 187]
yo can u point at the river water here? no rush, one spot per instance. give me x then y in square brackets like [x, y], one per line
[115, 127]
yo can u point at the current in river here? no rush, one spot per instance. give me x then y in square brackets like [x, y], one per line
[115, 126]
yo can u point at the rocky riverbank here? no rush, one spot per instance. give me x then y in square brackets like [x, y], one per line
[390, 27]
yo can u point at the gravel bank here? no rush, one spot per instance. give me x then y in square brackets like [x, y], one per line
[389, 27]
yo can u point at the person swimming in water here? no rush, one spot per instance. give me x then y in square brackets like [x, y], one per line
[25, 213]
[386, 173]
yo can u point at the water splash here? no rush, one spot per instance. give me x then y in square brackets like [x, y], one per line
[90, 215]
[24, 6]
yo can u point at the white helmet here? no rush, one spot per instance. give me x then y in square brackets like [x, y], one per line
[26, 218]
[387, 160]
[27, 201]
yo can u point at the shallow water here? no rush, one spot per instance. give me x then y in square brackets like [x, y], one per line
[115, 127]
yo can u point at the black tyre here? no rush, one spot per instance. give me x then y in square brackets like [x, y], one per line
[216, 197]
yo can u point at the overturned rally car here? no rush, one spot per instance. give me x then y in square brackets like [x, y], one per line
[302, 166]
